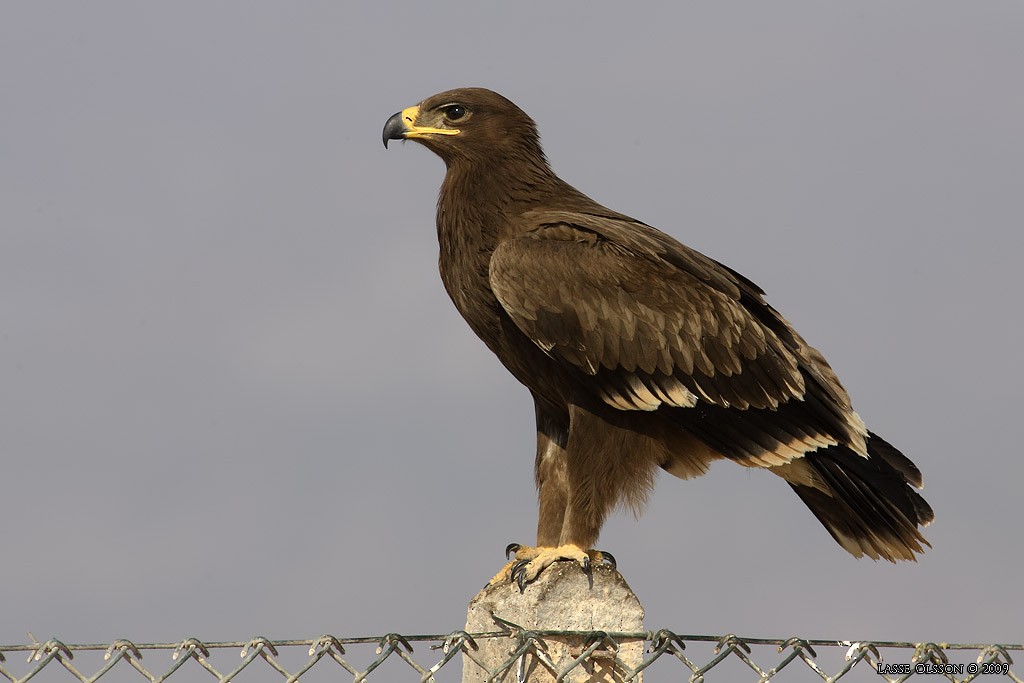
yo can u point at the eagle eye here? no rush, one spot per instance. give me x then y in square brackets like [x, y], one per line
[454, 112]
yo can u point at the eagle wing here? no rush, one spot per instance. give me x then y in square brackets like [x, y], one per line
[648, 324]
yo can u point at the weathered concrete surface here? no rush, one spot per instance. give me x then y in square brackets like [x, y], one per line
[562, 598]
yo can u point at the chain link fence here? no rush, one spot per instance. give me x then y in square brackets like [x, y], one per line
[667, 656]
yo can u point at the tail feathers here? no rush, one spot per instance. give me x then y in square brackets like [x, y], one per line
[879, 447]
[867, 504]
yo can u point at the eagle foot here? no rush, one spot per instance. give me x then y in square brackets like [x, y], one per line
[529, 562]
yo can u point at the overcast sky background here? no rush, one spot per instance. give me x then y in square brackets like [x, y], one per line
[235, 399]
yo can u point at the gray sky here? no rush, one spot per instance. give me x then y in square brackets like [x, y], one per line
[236, 399]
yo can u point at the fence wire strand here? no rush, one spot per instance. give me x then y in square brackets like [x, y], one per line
[667, 656]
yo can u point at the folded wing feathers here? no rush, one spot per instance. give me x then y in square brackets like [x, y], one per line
[686, 337]
[604, 321]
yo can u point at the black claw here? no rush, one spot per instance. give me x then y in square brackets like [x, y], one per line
[518, 574]
[511, 548]
[609, 559]
[517, 571]
[586, 564]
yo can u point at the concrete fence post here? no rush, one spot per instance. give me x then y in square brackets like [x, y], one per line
[563, 598]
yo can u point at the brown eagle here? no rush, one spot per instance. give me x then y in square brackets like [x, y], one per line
[640, 352]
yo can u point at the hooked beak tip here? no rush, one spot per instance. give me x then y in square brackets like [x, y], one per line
[394, 129]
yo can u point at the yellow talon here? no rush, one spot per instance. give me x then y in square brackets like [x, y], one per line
[529, 562]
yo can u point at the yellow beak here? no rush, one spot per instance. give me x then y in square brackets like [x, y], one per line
[402, 126]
